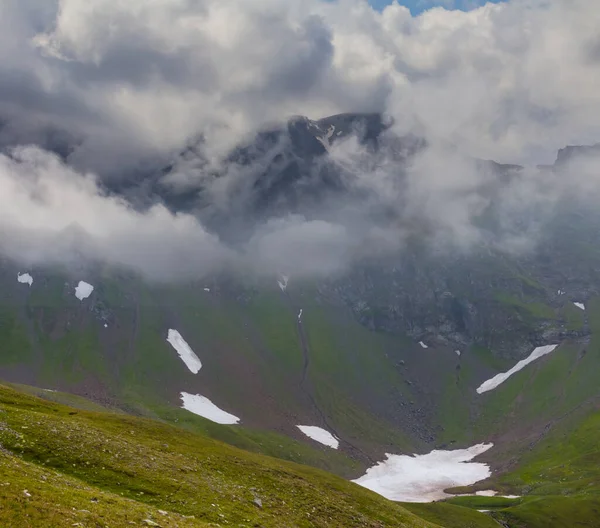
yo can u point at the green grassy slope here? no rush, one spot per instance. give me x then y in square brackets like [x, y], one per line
[112, 348]
[546, 420]
[559, 476]
[452, 516]
[113, 468]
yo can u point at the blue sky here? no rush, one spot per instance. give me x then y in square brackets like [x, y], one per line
[416, 6]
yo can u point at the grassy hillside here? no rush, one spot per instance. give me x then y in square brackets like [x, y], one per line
[558, 476]
[60, 466]
[258, 362]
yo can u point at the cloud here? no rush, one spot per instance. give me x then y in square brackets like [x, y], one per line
[511, 81]
[52, 214]
[121, 90]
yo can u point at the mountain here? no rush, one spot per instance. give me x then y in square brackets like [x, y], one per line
[385, 353]
[68, 467]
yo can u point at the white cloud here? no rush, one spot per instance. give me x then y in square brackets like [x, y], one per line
[50, 213]
[509, 81]
[119, 88]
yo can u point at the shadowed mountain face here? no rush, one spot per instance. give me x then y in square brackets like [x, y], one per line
[485, 295]
[283, 170]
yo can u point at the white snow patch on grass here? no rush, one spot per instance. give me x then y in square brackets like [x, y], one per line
[283, 282]
[25, 278]
[207, 290]
[320, 435]
[503, 376]
[423, 478]
[423, 344]
[581, 306]
[300, 315]
[202, 406]
[457, 352]
[83, 290]
[486, 493]
[186, 354]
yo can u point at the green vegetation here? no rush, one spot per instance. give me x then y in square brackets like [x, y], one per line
[553, 512]
[574, 317]
[265, 442]
[113, 469]
[527, 307]
[348, 369]
[15, 345]
[451, 516]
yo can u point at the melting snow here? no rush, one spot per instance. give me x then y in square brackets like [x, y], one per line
[502, 377]
[581, 306]
[486, 493]
[326, 141]
[185, 352]
[204, 407]
[319, 435]
[207, 290]
[25, 278]
[83, 290]
[423, 478]
[560, 292]
[283, 282]
[457, 352]
[423, 344]
[300, 315]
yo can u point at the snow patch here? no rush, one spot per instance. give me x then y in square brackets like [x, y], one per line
[300, 315]
[283, 282]
[561, 292]
[25, 278]
[185, 352]
[202, 406]
[457, 352]
[326, 141]
[423, 344]
[581, 306]
[423, 478]
[207, 290]
[486, 493]
[502, 377]
[319, 435]
[83, 290]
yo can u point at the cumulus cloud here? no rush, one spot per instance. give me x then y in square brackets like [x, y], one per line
[121, 90]
[511, 81]
[52, 214]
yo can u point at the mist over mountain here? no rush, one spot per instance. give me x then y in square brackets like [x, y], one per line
[316, 231]
[178, 141]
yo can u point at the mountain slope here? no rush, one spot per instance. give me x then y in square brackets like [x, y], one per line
[118, 468]
[385, 353]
